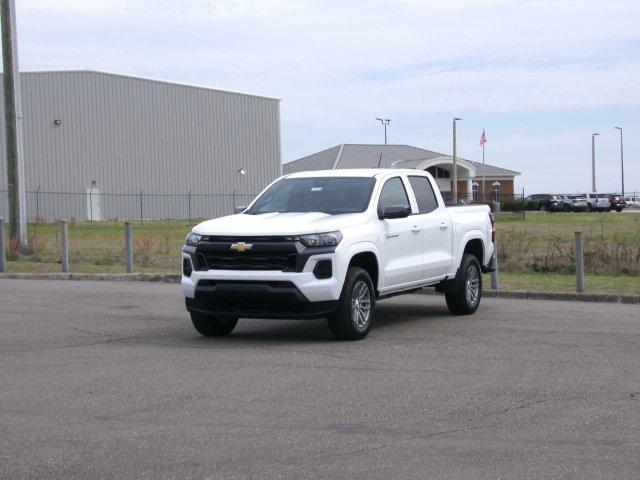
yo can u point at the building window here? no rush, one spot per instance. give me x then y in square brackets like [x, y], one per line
[474, 190]
[496, 192]
[438, 172]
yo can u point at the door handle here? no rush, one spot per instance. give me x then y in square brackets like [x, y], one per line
[415, 229]
[444, 226]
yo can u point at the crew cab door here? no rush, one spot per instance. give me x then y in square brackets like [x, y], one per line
[436, 228]
[401, 243]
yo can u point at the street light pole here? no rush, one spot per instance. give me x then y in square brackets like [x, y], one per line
[621, 159]
[593, 162]
[384, 122]
[455, 161]
[13, 127]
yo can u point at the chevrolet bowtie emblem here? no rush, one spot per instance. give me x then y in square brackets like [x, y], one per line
[241, 247]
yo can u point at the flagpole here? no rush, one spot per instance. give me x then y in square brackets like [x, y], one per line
[484, 186]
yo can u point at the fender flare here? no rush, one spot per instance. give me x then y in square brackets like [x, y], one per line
[352, 251]
[468, 236]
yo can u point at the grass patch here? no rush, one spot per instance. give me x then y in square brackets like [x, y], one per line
[557, 282]
[536, 253]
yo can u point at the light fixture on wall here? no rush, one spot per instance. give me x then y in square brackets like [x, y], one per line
[57, 121]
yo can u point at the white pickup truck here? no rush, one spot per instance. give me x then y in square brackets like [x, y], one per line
[329, 244]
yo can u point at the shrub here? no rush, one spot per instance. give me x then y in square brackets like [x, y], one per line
[531, 205]
[511, 206]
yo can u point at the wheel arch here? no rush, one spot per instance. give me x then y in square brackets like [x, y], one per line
[366, 256]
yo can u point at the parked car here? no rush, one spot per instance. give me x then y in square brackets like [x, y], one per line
[332, 243]
[598, 202]
[632, 201]
[547, 202]
[617, 202]
[574, 203]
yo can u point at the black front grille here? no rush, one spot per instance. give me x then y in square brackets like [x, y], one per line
[263, 254]
[247, 261]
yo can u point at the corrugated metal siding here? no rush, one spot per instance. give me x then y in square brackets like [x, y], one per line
[130, 134]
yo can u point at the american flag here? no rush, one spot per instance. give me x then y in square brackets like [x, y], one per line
[483, 138]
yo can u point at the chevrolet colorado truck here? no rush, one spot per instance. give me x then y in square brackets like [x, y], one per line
[330, 244]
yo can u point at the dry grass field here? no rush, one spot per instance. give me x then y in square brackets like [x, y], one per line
[536, 253]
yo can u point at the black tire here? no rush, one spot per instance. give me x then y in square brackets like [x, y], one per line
[589, 208]
[566, 208]
[213, 326]
[618, 209]
[543, 208]
[345, 323]
[463, 301]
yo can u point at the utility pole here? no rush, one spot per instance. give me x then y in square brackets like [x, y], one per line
[455, 163]
[593, 162]
[13, 126]
[384, 122]
[621, 159]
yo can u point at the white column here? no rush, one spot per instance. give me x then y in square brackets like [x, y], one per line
[469, 190]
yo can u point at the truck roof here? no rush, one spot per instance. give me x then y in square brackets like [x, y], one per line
[353, 172]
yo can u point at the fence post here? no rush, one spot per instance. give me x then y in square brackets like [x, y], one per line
[189, 206]
[579, 262]
[64, 260]
[3, 255]
[128, 240]
[141, 221]
[494, 262]
[38, 204]
[524, 205]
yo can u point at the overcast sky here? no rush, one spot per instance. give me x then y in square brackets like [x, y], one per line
[539, 76]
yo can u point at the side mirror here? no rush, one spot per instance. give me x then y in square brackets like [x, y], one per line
[396, 211]
[240, 209]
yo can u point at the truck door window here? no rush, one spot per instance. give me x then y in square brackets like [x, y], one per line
[393, 194]
[423, 191]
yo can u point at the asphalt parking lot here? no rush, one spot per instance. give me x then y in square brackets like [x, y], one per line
[109, 380]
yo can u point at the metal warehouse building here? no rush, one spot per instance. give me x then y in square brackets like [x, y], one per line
[101, 146]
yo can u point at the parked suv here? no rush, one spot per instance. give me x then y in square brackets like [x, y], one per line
[632, 201]
[331, 244]
[574, 203]
[547, 202]
[617, 202]
[598, 202]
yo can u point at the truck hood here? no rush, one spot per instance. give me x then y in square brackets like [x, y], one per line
[278, 224]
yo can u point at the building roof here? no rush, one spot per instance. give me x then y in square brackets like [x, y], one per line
[148, 79]
[350, 155]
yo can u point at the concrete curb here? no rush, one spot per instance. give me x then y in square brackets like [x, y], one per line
[175, 278]
[111, 277]
[557, 296]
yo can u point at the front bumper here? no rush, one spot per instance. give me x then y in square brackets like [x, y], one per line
[255, 299]
[264, 293]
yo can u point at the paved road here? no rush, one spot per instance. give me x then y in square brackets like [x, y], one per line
[109, 380]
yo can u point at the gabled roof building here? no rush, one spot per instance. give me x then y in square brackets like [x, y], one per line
[498, 182]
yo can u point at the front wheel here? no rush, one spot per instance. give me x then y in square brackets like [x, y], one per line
[210, 326]
[353, 316]
[466, 298]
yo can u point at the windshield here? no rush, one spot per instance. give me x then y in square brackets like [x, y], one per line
[576, 197]
[332, 195]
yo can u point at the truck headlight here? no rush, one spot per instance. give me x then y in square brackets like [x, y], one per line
[329, 239]
[193, 239]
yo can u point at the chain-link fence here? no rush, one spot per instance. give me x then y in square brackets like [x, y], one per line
[95, 205]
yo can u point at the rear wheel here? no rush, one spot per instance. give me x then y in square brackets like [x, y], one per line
[354, 314]
[466, 298]
[543, 208]
[618, 209]
[211, 326]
